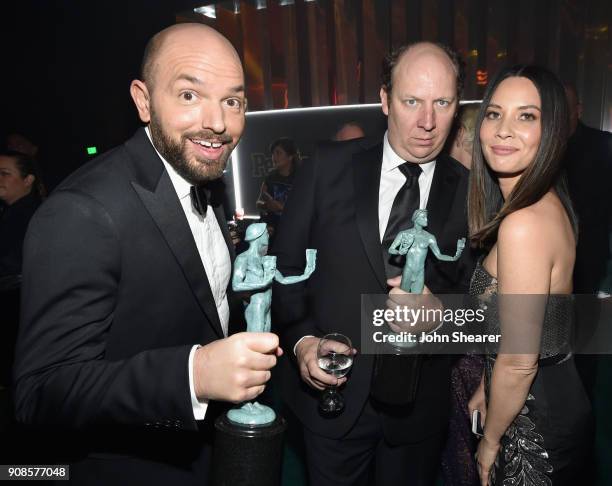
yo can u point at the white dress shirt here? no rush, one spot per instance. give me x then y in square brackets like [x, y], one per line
[392, 180]
[215, 257]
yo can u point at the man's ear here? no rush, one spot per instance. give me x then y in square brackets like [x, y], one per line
[384, 100]
[140, 95]
[29, 180]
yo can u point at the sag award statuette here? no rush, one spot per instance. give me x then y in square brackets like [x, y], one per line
[249, 438]
[415, 243]
[396, 373]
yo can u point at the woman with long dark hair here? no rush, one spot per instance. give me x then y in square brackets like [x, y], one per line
[21, 191]
[536, 415]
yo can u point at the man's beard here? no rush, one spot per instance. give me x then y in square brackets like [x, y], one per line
[194, 169]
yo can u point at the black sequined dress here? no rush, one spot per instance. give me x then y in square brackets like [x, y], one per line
[549, 440]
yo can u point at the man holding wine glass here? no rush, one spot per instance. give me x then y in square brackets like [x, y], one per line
[335, 357]
[350, 202]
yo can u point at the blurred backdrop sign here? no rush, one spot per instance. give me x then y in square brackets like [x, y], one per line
[252, 160]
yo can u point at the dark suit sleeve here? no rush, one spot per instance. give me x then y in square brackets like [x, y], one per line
[291, 317]
[72, 274]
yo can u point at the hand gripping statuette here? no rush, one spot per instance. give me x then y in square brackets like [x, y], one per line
[415, 242]
[254, 271]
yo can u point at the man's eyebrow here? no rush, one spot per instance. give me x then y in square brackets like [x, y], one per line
[195, 80]
[410, 97]
[187, 77]
[237, 89]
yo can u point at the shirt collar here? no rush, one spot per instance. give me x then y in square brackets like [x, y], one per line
[181, 186]
[392, 161]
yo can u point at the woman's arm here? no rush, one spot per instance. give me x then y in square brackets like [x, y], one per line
[524, 266]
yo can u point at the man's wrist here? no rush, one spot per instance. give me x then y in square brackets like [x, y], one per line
[198, 405]
[295, 346]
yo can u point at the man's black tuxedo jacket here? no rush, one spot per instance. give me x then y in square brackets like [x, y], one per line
[588, 162]
[114, 297]
[333, 207]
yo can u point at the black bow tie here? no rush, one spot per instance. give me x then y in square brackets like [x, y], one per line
[207, 194]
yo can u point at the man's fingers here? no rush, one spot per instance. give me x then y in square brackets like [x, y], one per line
[256, 378]
[336, 347]
[307, 378]
[395, 328]
[395, 281]
[260, 342]
[258, 361]
[254, 392]
[314, 384]
[321, 385]
[316, 378]
[319, 375]
[399, 297]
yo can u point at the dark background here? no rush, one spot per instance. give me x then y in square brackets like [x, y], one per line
[67, 66]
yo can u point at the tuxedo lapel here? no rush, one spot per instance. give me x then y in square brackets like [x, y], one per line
[366, 173]
[441, 195]
[154, 188]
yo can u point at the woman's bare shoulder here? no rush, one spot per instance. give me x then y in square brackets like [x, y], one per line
[545, 218]
[524, 224]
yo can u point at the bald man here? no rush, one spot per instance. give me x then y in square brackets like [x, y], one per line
[350, 202]
[123, 347]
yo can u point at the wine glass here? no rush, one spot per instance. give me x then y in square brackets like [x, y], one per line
[334, 356]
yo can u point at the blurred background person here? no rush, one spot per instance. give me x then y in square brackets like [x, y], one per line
[21, 192]
[587, 161]
[349, 131]
[461, 139]
[278, 183]
[22, 144]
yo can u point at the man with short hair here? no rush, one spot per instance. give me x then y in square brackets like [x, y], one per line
[348, 131]
[123, 347]
[588, 163]
[349, 202]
